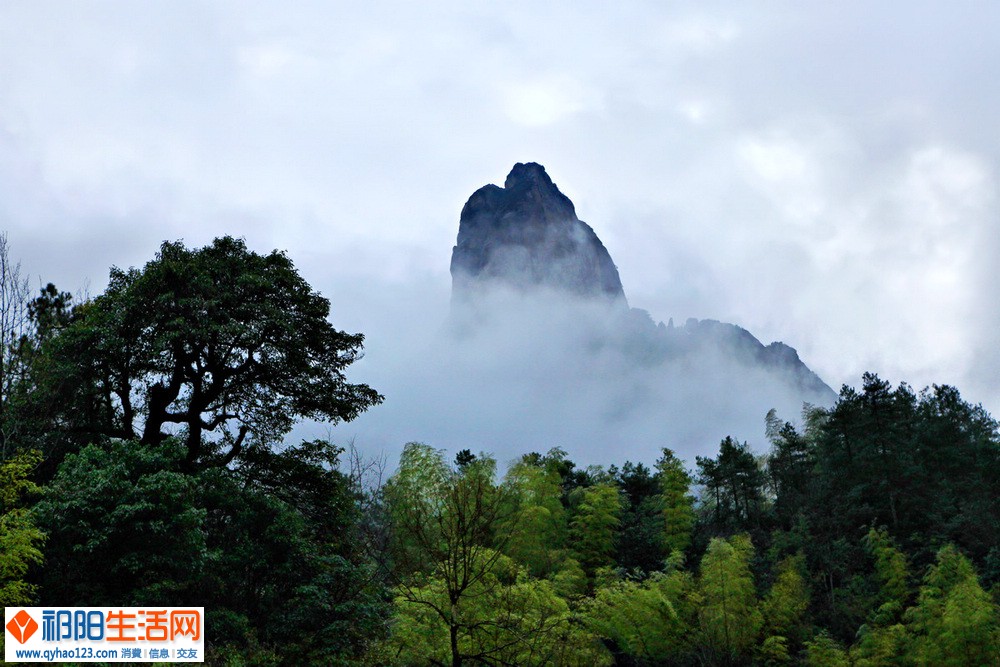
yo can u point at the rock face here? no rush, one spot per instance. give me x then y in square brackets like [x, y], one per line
[526, 235]
[777, 357]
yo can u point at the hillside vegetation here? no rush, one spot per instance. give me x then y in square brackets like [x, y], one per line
[144, 461]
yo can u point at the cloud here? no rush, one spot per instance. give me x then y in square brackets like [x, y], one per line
[543, 101]
[531, 371]
[823, 175]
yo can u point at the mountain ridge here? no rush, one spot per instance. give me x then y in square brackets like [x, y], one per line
[525, 237]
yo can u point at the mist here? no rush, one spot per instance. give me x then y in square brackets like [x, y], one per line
[518, 370]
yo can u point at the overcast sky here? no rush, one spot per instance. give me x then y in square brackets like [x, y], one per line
[824, 174]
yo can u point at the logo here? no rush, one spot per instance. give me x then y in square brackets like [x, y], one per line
[103, 634]
[22, 626]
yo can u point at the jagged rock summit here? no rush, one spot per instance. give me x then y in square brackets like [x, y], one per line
[526, 235]
[540, 349]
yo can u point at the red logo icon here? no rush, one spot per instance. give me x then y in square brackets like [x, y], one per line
[22, 626]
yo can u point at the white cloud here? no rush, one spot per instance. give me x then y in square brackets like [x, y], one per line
[542, 101]
[701, 34]
[824, 175]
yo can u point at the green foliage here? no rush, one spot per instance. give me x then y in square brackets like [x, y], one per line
[128, 526]
[773, 652]
[824, 651]
[784, 606]
[50, 312]
[729, 616]
[451, 527]
[734, 489]
[880, 646]
[503, 618]
[639, 546]
[443, 517]
[224, 342]
[650, 622]
[790, 467]
[537, 525]
[20, 538]
[224, 349]
[891, 573]
[955, 622]
[920, 466]
[570, 581]
[677, 502]
[123, 528]
[823, 566]
[595, 519]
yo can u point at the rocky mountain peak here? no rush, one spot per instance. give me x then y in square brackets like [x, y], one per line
[526, 235]
[530, 182]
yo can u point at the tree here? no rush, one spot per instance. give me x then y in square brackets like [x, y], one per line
[865, 457]
[734, 485]
[447, 545]
[881, 640]
[557, 461]
[677, 502]
[14, 325]
[921, 466]
[231, 346]
[594, 524]
[650, 621]
[537, 525]
[504, 617]
[729, 616]
[789, 468]
[20, 538]
[957, 452]
[640, 543]
[251, 544]
[891, 573]
[954, 621]
[824, 651]
[785, 604]
[125, 527]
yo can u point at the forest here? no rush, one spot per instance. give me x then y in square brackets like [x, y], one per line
[145, 460]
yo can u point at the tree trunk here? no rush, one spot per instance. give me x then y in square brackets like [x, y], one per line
[456, 657]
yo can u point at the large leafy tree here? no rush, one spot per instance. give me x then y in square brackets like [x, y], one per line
[648, 622]
[460, 599]
[503, 618]
[450, 528]
[224, 345]
[265, 540]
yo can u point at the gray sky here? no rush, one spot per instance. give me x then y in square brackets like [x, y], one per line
[824, 174]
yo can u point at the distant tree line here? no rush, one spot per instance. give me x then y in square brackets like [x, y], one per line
[143, 462]
[869, 536]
